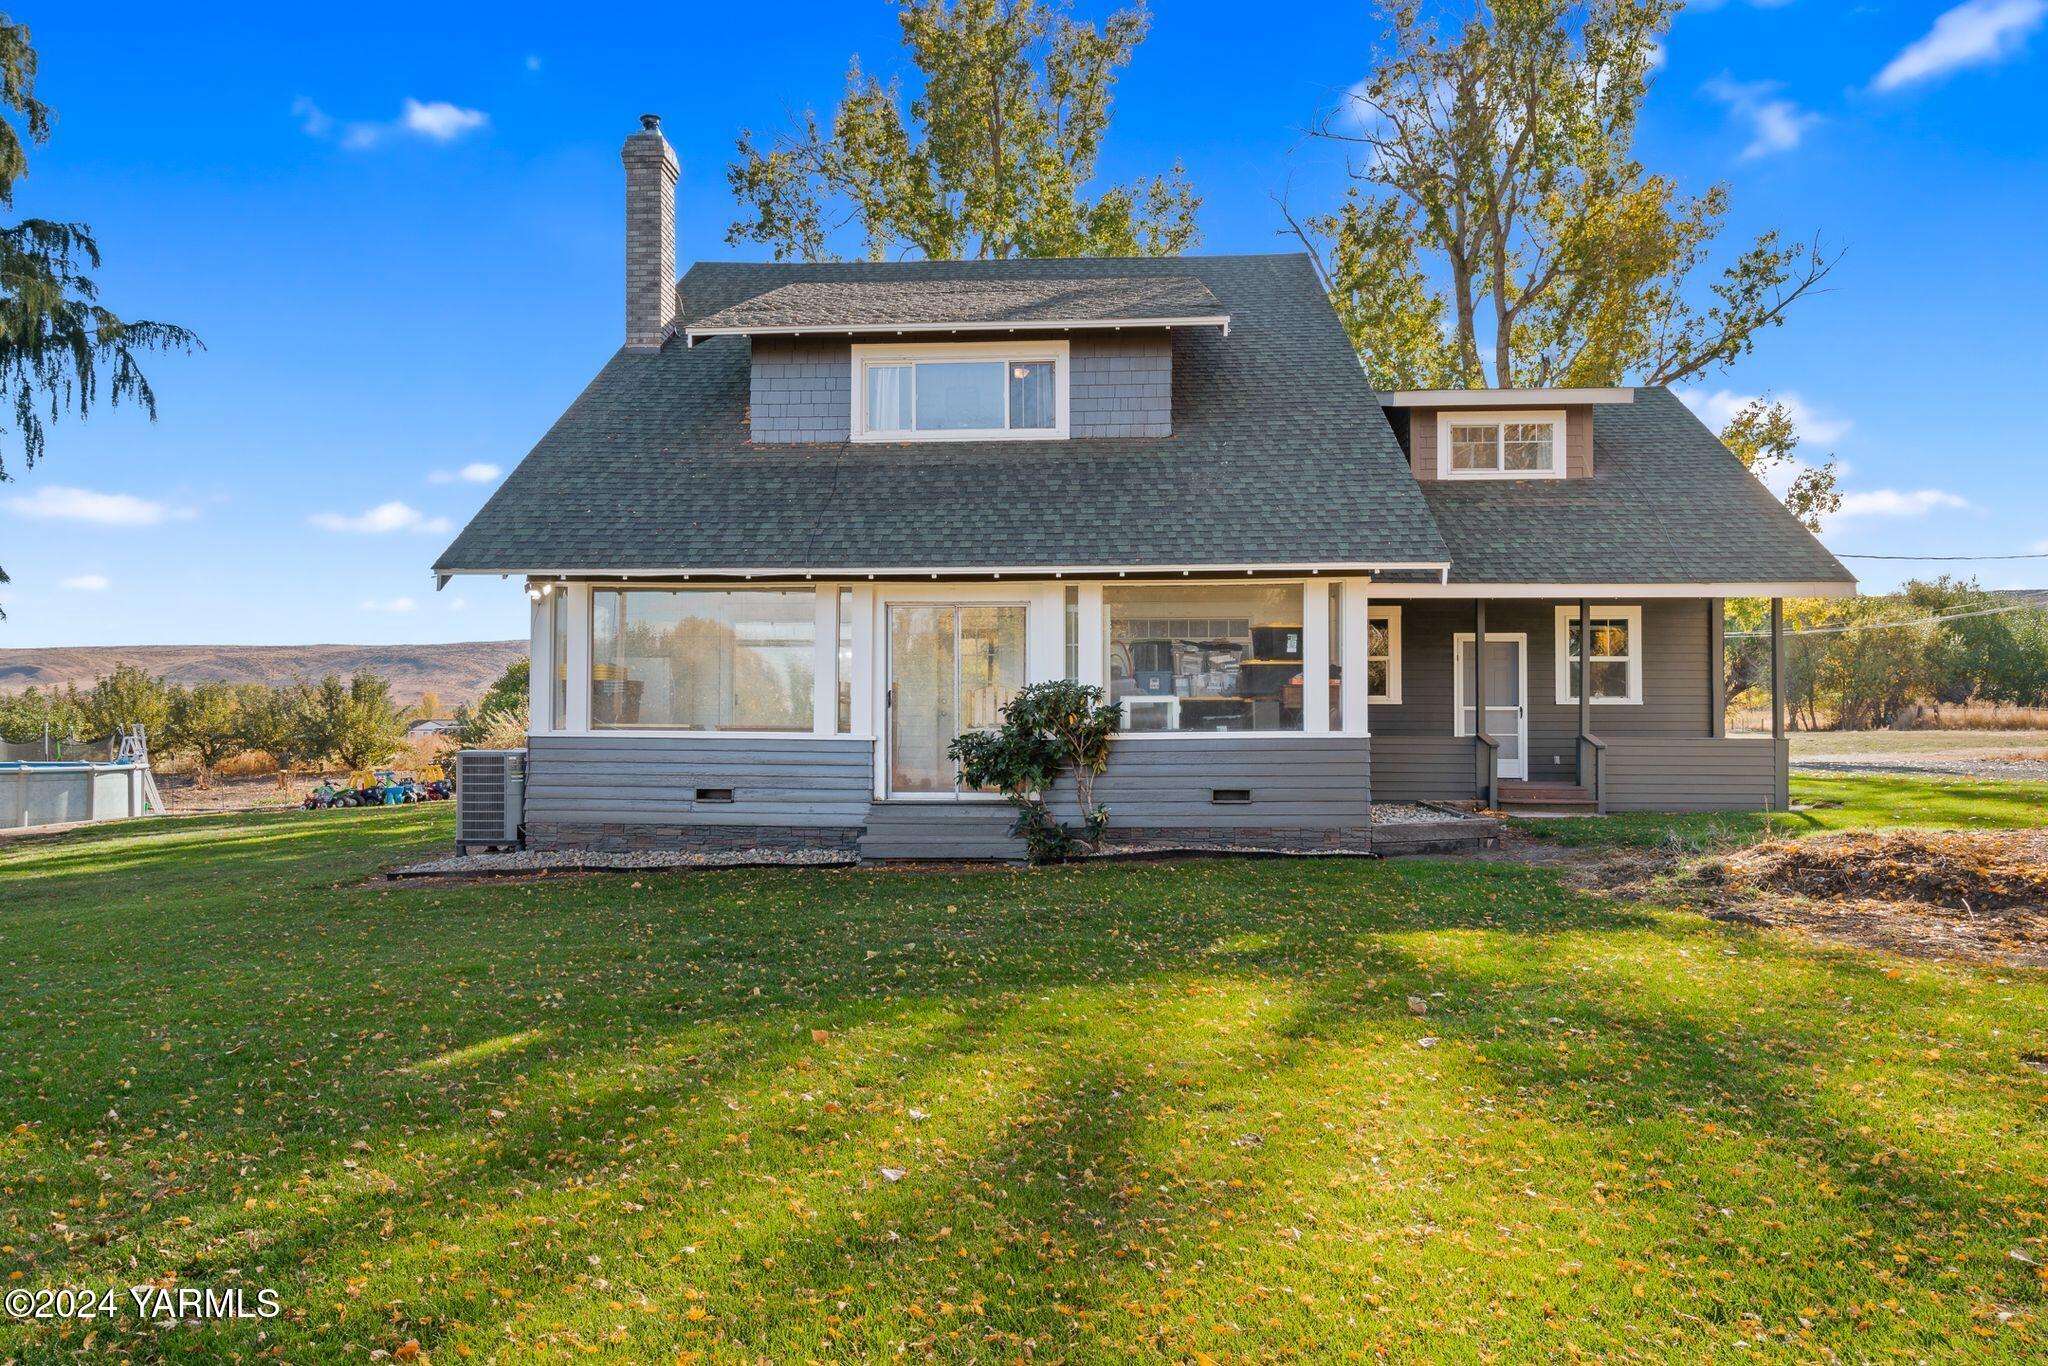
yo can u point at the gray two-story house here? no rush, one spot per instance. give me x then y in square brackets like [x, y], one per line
[811, 522]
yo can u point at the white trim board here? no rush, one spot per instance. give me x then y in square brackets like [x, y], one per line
[1501, 398]
[1031, 571]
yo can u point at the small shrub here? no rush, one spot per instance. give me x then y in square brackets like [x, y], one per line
[1048, 728]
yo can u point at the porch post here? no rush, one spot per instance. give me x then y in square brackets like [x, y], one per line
[576, 598]
[1315, 657]
[1717, 669]
[1781, 794]
[540, 672]
[825, 661]
[1585, 685]
[1484, 750]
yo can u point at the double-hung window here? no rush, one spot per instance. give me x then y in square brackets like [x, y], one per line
[960, 391]
[1616, 637]
[1500, 445]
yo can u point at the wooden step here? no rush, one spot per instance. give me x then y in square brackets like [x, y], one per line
[1521, 795]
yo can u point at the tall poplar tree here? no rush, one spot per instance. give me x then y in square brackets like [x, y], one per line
[994, 155]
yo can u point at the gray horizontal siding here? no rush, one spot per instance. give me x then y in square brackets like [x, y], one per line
[1297, 783]
[1695, 774]
[630, 779]
[1424, 768]
[1675, 679]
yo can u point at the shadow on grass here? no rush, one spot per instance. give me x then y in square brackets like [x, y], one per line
[1147, 1091]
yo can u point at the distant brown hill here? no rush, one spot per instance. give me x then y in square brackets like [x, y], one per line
[456, 673]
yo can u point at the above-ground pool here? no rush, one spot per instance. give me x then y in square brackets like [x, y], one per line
[60, 793]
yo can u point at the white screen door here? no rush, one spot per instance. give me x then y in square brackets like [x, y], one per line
[1507, 697]
[951, 668]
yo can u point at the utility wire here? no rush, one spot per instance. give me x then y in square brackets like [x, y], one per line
[1884, 625]
[2032, 555]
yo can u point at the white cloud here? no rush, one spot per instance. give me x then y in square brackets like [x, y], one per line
[433, 120]
[1775, 124]
[478, 472]
[58, 502]
[440, 120]
[1898, 502]
[533, 63]
[388, 604]
[381, 520]
[1974, 33]
[85, 583]
[1816, 426]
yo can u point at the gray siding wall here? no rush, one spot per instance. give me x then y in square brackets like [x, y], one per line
[1423, 768]
[1119, 385]
[801, 391]
[1741, 774]
[1676, 690]
[1296, 783]
[628, 779]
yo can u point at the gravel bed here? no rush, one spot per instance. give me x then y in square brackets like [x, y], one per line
[590, 861]
[1418, 813]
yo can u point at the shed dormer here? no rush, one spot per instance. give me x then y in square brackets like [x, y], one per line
[1454, 434]
[964, 360]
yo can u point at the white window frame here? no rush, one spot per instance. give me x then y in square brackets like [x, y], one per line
[1392, 617]
[1567, 675]
[1055, 352]
[1466, 417]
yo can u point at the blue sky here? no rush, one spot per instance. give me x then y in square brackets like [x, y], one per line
[399, 236]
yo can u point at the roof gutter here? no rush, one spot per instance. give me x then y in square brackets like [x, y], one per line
[1442, 569]
[1218, 320]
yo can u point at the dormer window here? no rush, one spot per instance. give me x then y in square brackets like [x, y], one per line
[1472, 445]
[960, 391]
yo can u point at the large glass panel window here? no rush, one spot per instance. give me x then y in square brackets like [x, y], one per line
[1500, 445]
[558, 655]
[1616, 637]
[1073, 643]
[700, 659]
[1196, 657]
[845, 661]
[960, 391]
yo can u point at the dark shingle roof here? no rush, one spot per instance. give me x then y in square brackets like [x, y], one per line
[897, 302]
[1667, 503]
[1279, 455]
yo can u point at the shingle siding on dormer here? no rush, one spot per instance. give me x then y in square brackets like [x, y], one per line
[801, 391]
[1119, 386]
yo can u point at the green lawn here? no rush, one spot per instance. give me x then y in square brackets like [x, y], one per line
[1856, 803]
[1178, 1109]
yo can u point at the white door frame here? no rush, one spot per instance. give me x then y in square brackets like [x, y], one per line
[1460, 644]
[885, 737]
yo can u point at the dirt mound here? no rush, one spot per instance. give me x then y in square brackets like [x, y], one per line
[1976, 896]
[1960, 871]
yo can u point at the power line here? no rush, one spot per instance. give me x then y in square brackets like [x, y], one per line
[2031, 555]
[1885, 625]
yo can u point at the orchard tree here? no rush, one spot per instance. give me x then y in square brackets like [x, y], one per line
[61, 349]
[1501, 232]
[127, 697]
[205, 722]
[355, 723]
[995, 154]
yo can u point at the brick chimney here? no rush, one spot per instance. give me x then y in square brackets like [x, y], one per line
[651, 173]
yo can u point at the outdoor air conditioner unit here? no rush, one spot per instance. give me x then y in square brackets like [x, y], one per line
[490, 798]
